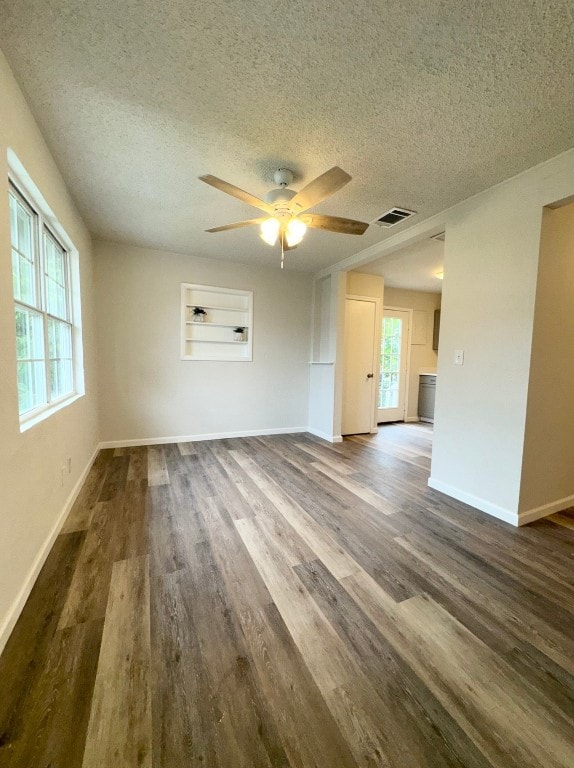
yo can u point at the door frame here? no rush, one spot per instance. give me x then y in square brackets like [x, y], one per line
[408, 361]
[376, 351]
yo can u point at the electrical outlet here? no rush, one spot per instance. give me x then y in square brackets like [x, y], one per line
[69, 464]
[459, 356]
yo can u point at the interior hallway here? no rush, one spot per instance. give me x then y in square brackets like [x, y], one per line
[280, 601]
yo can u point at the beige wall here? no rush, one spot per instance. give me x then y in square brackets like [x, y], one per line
[492, 254]
[548, 461]
[491, 260]
[32, 498]
[420, 355]
[361, 284]
[147, 392]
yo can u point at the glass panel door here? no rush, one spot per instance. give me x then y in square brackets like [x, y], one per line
[392, 370]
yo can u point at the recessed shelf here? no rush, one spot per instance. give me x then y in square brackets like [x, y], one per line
[224, 309]
[218, 359]
[215, 341]
[217, 327]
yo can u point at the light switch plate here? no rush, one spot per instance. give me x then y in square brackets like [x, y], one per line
[459, 356]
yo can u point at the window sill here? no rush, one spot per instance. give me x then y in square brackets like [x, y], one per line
[31, 421]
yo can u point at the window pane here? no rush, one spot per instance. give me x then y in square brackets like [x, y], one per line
[16, 273]
[60, 351]
[55, 256]
[29, 335]
[14, 221]
[25, 238]
[31, 385]
[27, 287]
[390, 363]
[23, 267]
[56, 299]
[61, 379]
[55, 269]
[59, 339]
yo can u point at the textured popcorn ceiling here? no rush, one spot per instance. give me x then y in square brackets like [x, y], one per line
[423, 102]
[414, 267]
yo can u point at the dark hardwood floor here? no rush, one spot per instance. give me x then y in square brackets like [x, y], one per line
[279, 601]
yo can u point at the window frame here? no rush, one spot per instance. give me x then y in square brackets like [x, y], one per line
[46, 226]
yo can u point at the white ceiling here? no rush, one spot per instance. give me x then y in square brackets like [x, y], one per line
[423, 102]
[413, 268]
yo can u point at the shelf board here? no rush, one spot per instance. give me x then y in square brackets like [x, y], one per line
[226, 309]
[216, 325]
[217, 359]
[214, 341]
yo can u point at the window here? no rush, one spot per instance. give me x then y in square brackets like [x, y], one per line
[43, 304]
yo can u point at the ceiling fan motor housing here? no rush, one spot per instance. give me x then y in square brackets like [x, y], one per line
[281, 195]
[283, 177]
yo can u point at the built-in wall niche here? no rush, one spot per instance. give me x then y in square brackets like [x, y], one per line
[321, 338]
[216, 323]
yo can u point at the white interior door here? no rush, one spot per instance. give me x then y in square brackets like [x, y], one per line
[393, 365]
[359, 382]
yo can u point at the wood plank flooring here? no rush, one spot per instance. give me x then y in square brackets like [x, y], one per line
[279, 601]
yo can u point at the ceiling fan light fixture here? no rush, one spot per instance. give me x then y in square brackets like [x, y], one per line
[295, 231]
[269, 231]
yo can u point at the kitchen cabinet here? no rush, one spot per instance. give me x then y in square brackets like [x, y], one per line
[427, 390]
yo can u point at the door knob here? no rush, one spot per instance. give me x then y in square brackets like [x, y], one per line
[370, 375]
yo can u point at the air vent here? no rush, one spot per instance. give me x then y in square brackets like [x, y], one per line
[439, 237]
[394, 216]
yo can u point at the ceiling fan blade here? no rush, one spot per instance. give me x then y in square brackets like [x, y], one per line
[237, 225]
[320, 188]
[335, 224]
[240, 194]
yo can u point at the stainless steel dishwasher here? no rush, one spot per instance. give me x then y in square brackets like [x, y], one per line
[427, 390]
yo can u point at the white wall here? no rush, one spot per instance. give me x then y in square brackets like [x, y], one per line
[491, 267]
[548, 461]
[420, 355]
[31, 496]
[326, 381]
[147, 392]
[491, 259]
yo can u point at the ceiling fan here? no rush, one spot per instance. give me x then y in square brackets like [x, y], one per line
[286, 218]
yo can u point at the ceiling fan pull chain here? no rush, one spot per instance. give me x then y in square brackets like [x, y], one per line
[282, 251]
